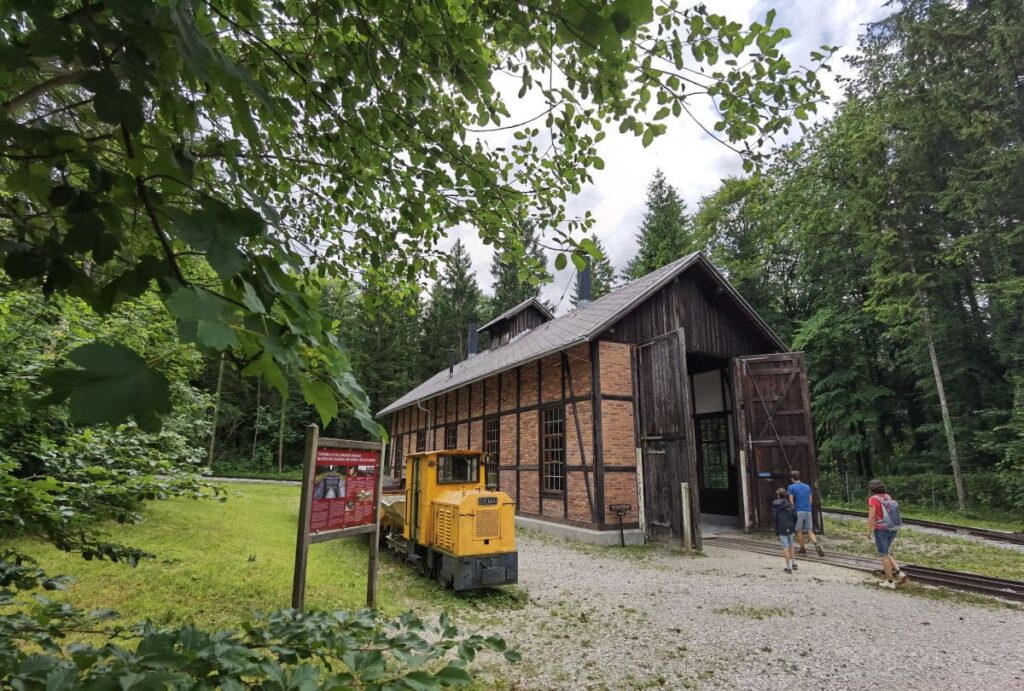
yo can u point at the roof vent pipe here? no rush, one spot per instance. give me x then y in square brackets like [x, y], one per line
[472, 340]
[583, 287]
[451, 362]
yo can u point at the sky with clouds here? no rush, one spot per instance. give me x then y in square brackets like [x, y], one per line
[692, 161]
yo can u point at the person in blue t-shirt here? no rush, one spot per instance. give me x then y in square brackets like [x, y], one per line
[800, 496]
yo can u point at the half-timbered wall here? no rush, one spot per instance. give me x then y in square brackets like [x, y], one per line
[517, 399]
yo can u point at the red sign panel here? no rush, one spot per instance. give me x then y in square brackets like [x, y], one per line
[343, 488]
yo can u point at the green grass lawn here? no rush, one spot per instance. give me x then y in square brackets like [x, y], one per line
[924, 549]
[218, 563]
[974, 518]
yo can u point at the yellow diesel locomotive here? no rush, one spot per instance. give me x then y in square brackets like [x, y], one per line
[450, 525]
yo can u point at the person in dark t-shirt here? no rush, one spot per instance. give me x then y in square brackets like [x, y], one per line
[785, 525]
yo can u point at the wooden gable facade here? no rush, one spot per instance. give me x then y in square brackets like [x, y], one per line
[688, 385]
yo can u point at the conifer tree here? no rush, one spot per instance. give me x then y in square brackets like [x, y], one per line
[510, 272]
[602, 277]
[455, 301]
[664, 235]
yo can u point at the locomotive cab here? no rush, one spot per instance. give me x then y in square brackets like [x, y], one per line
[452, 526]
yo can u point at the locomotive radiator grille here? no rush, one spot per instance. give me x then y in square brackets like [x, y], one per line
[444, 522]
[487, 524]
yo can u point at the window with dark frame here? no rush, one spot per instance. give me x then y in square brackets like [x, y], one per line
[713, 434]
[451, 436]
[552, 445]
[492, 449]
[421, 441]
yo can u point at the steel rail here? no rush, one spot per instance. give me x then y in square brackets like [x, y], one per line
[925, 575]
[987, 533]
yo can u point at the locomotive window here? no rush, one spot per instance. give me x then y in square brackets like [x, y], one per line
[458, 469]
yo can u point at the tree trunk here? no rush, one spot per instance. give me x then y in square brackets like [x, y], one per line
[216, 412]
[947, 421]
[280, 436]
[256, 427]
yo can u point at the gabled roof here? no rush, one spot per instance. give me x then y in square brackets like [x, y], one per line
[513, 311]
[574, 328]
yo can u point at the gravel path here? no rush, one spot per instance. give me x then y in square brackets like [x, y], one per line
[653, 618]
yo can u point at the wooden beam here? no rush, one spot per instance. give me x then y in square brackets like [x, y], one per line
[305, 506]
[567, 373]
[597, 431]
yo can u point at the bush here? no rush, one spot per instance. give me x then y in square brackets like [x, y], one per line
[987, 490]
[285, 650]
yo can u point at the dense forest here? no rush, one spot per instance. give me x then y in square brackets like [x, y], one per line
[886, 242]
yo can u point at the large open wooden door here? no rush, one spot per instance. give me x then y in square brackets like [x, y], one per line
[776, 432]
[666, 429]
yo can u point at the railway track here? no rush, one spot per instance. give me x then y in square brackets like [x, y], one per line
[996, 535]
[924, 575]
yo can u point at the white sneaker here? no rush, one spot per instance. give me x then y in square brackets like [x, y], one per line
[891, 585]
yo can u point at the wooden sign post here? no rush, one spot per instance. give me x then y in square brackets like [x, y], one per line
[341, 487]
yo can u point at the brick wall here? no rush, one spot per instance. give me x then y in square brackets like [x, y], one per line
[617, 417]
[507, 482]
[572, 445]
[617, 433]
[579, 506]
[620, 488]
[616, 376]
[476, 435]
[528, 384]
[507, 440]
[554, 508]
[529, 483]
[551, 378]
[508, 390]
[491, 398]
[579, 366]
[478, 399]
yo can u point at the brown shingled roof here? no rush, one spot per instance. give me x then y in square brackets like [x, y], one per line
[576, 327]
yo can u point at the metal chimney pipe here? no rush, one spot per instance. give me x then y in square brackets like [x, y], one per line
[472, 340]
[451, 362]
[584, 285]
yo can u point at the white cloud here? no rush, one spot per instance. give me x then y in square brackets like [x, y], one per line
[692, 161]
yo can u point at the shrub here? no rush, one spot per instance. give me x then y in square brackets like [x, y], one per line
[984, 490]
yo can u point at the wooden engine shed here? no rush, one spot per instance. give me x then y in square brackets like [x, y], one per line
[672, 378]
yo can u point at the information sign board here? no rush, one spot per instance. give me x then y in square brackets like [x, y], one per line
[344, 488]
[340, 497]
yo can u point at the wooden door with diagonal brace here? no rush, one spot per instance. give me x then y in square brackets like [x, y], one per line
[776, 430]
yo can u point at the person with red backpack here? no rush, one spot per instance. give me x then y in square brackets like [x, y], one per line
[884, 522]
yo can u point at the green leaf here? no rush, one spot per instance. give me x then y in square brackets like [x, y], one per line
[560, 261]
[119, 107]
[194, 304]
[113, 384]
[216, 335]
[454, 675]
[321, 397]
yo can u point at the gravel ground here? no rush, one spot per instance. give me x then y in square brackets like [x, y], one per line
[653, 618]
